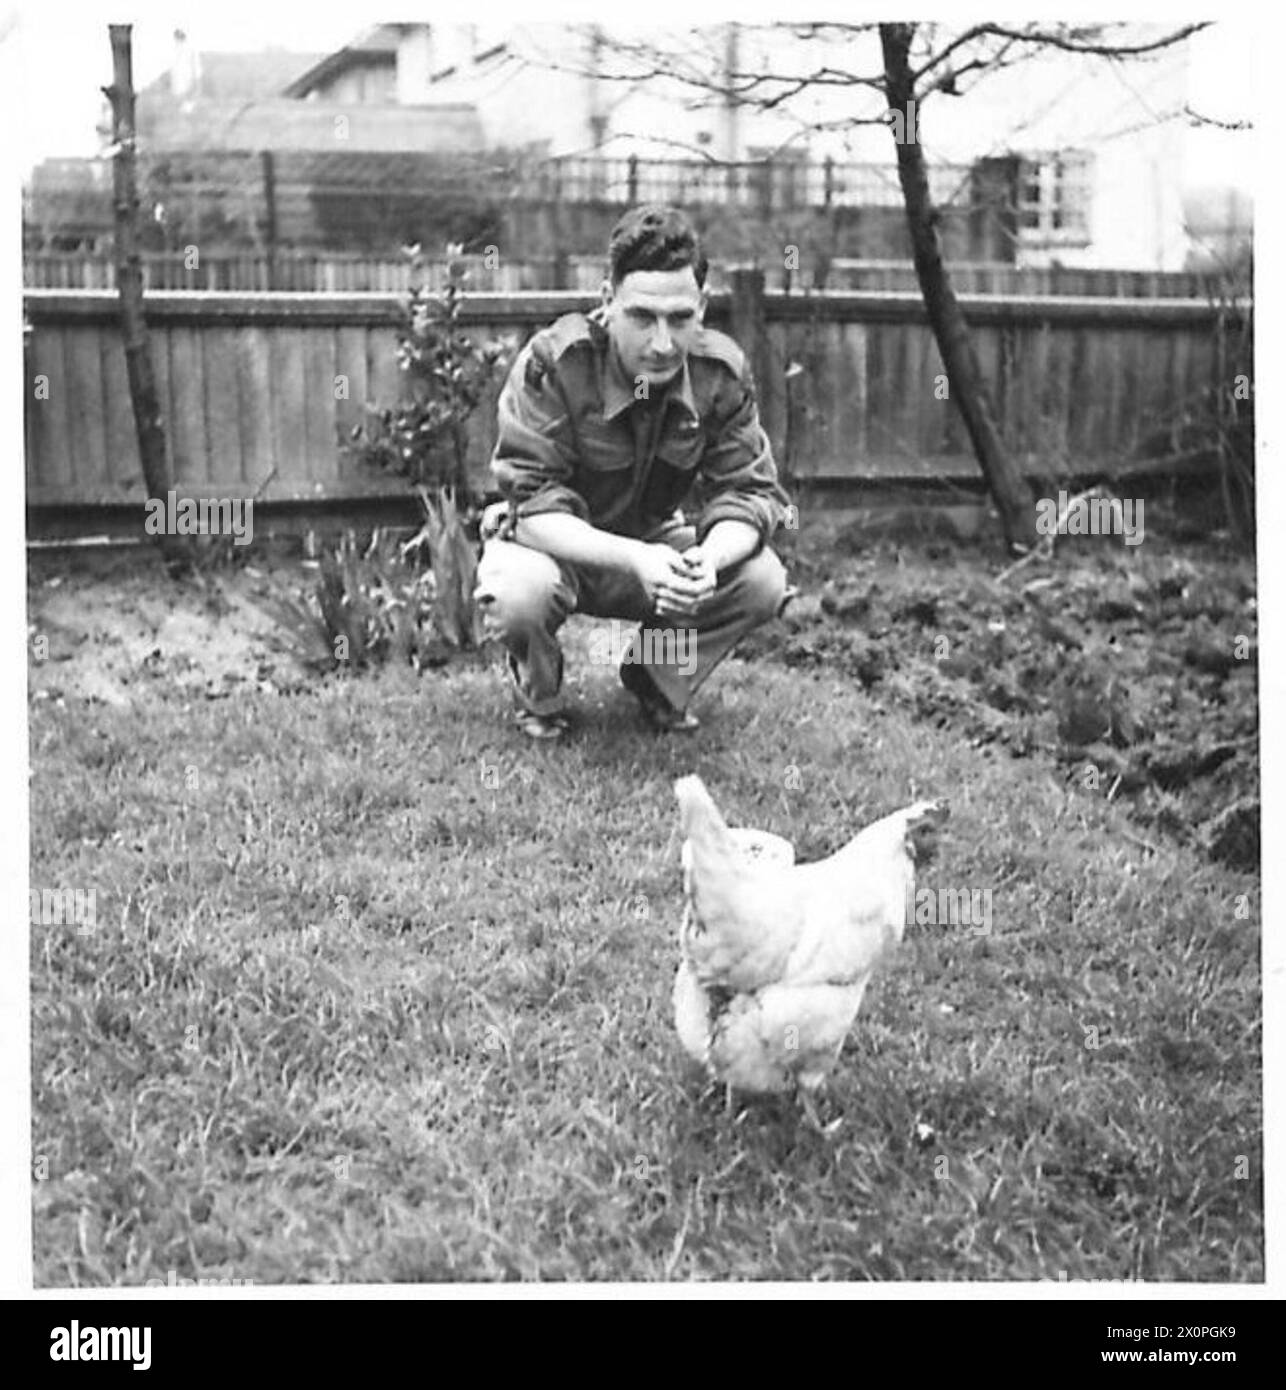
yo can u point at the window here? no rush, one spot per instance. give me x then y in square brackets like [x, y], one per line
[1054, 198]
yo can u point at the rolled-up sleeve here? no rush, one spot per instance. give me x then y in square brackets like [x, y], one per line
[738, 475]
[533, 464]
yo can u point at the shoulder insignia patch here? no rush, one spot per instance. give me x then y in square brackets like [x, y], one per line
[565, 332]
[550, 344]
[711, 343]
[548, 347]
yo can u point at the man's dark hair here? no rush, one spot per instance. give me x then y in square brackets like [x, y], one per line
[654, 237]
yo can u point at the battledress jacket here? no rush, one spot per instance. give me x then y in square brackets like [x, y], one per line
[575, 437]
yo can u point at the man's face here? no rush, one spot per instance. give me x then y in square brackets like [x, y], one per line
[653, 316]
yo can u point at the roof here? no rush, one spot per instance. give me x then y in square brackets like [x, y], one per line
[379, 43]
[239, 76]
[281, 123]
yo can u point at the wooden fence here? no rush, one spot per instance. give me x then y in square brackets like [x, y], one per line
[319, 272]
[338, 272]
[992, 277]
[259, 392]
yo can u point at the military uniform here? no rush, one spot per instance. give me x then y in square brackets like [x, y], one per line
[577, 436]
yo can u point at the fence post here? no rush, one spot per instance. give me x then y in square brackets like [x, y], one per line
[748, 322]
[556, 228]
[270, 214]
[632, 180]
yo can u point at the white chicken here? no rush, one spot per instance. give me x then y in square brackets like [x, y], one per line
[775, 956]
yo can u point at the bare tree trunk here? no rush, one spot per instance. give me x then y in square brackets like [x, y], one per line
[964, 375]
[129, 280]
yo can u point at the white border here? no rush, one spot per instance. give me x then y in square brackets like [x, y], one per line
[15, 1159]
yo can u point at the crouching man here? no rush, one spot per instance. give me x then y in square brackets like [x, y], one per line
[608, 424]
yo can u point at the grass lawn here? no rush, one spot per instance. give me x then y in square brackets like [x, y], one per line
[380, 991]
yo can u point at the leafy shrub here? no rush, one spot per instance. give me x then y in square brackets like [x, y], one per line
[379, 602]
[425, 439]
[389, 603]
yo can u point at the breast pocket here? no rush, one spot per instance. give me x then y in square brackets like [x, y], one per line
[681, 449]
[678, 457]
[605, 458]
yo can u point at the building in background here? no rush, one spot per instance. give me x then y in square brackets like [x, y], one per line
[1097, 152]
[266, 101]
[533, 138]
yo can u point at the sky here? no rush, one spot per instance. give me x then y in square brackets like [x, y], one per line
[67, 58]
[1220, 82]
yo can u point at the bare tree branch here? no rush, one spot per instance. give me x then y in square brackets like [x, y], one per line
[987, 48]
[984, 66]
[1069, 42]
[969, 35]
[1197, 119]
